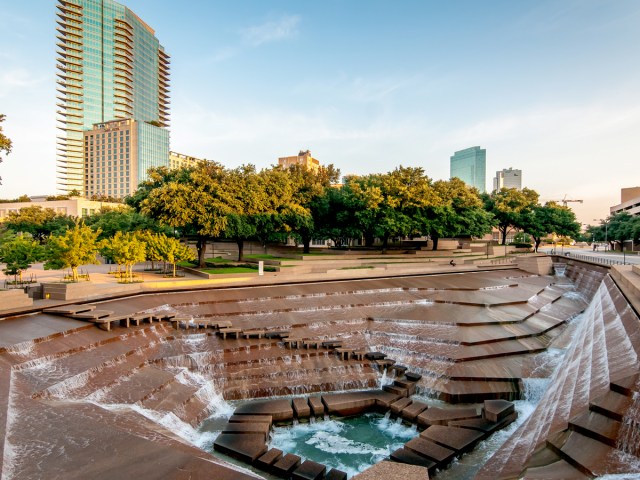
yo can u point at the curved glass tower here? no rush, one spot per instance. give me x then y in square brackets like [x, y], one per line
[110, 66]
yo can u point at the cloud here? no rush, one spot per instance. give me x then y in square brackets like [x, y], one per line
[272, 31]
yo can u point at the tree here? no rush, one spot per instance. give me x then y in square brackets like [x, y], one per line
[191, 199]
[310, 188]
[5, 142]
[510, 208]
[75, 247]
[541, 221]
[127, 249]
[122, 219]
[19, 253]
[173, 251]
[621, 229]
[39, 222]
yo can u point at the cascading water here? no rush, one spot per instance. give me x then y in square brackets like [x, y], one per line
[629, 434]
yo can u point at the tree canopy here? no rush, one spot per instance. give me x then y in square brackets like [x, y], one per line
[75, 247]
[5, 142]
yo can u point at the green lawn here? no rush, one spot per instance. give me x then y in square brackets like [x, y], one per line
[222, 271]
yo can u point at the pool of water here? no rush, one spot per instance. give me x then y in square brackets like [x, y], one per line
[349, 444]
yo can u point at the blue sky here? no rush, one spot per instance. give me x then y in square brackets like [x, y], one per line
[550, 87]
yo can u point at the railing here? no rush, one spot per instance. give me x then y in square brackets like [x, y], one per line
[8, 284]
[594, 259]
[503, 260]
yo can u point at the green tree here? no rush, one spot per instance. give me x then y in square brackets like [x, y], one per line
[173, 251]
[5, 142]
[122, 219]
[510, 208]
[621, 229]
[543, 220]
[39, 222]
[310, 194]
[75, 247]
[19, 253]
[191, 199]
[127, 249]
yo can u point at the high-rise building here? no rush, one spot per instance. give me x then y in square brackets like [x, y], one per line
[470, 166]
[110, 67]
[508, 178]
[303, 158]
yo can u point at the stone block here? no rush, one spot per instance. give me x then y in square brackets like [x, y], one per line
[286, 465]
[432, 451]
[406, 384]
[335, 474]
[399, 405]
[496, 410]
[309, 470]
[442, 416]
[349, 403]
[414, 377]
[411, 412]
[317, 407]
[458, 439]
[280, 410]
[484, 425]
[402, 392]
[392, 471]
[268, 459]
[244, 428]
[301, 408]
[402, 455]
[251, 418]
[247, 447]
[538, 265]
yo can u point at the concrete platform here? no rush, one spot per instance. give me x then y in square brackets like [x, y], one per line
[279, 410]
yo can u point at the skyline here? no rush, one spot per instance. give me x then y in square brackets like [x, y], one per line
[543, 87]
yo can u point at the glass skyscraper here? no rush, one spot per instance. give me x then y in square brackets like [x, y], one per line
[470, 166]
[110, 66]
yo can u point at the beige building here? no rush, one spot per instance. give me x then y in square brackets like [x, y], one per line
[629, 202]
[303, 158]
[118, 153]
[75, 207]
[180, 160]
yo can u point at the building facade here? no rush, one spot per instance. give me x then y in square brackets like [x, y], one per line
[508, 178]
[470, 166]
[110, 66]
[74, 206]
[629, 202]
[180, 160]
[303, 158]
[119, 153]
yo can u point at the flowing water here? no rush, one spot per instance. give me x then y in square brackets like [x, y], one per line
[348, 444]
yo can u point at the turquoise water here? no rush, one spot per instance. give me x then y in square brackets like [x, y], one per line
[349, 444]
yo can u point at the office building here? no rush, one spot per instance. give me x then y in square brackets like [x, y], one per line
[470, 166]
[629, 202]
[508, 178]
[110, 67]
[180, 160]
[119, 153]
[72, 206]
[303, 158]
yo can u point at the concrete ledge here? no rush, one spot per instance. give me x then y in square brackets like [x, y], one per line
[10, 299]
[538, 265]
[280, 410]
[393, 471]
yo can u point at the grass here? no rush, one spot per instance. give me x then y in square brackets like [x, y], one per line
[222, 271]
[264, 256]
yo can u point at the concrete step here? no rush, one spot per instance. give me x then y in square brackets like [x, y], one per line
[596, 426]
[612, 405]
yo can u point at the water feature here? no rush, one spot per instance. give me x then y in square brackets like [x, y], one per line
[349, 444]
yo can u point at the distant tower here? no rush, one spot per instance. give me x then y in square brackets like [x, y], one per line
[470, 166]
[508, 178]
[303, 158]
[110, 67]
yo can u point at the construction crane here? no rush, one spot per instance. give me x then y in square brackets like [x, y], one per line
[565, 200]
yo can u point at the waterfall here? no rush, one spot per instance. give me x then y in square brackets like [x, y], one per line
[629, 434]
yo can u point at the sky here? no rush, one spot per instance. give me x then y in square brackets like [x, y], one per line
[548, 87]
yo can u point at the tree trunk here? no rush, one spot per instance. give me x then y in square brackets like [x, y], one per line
[537, 243]
[201, 245]
[503, 234]
[174, 270]
[434, 239]
[368, 240]
[74, 274]
[306, 244]
[240, 243]
[385, 243]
